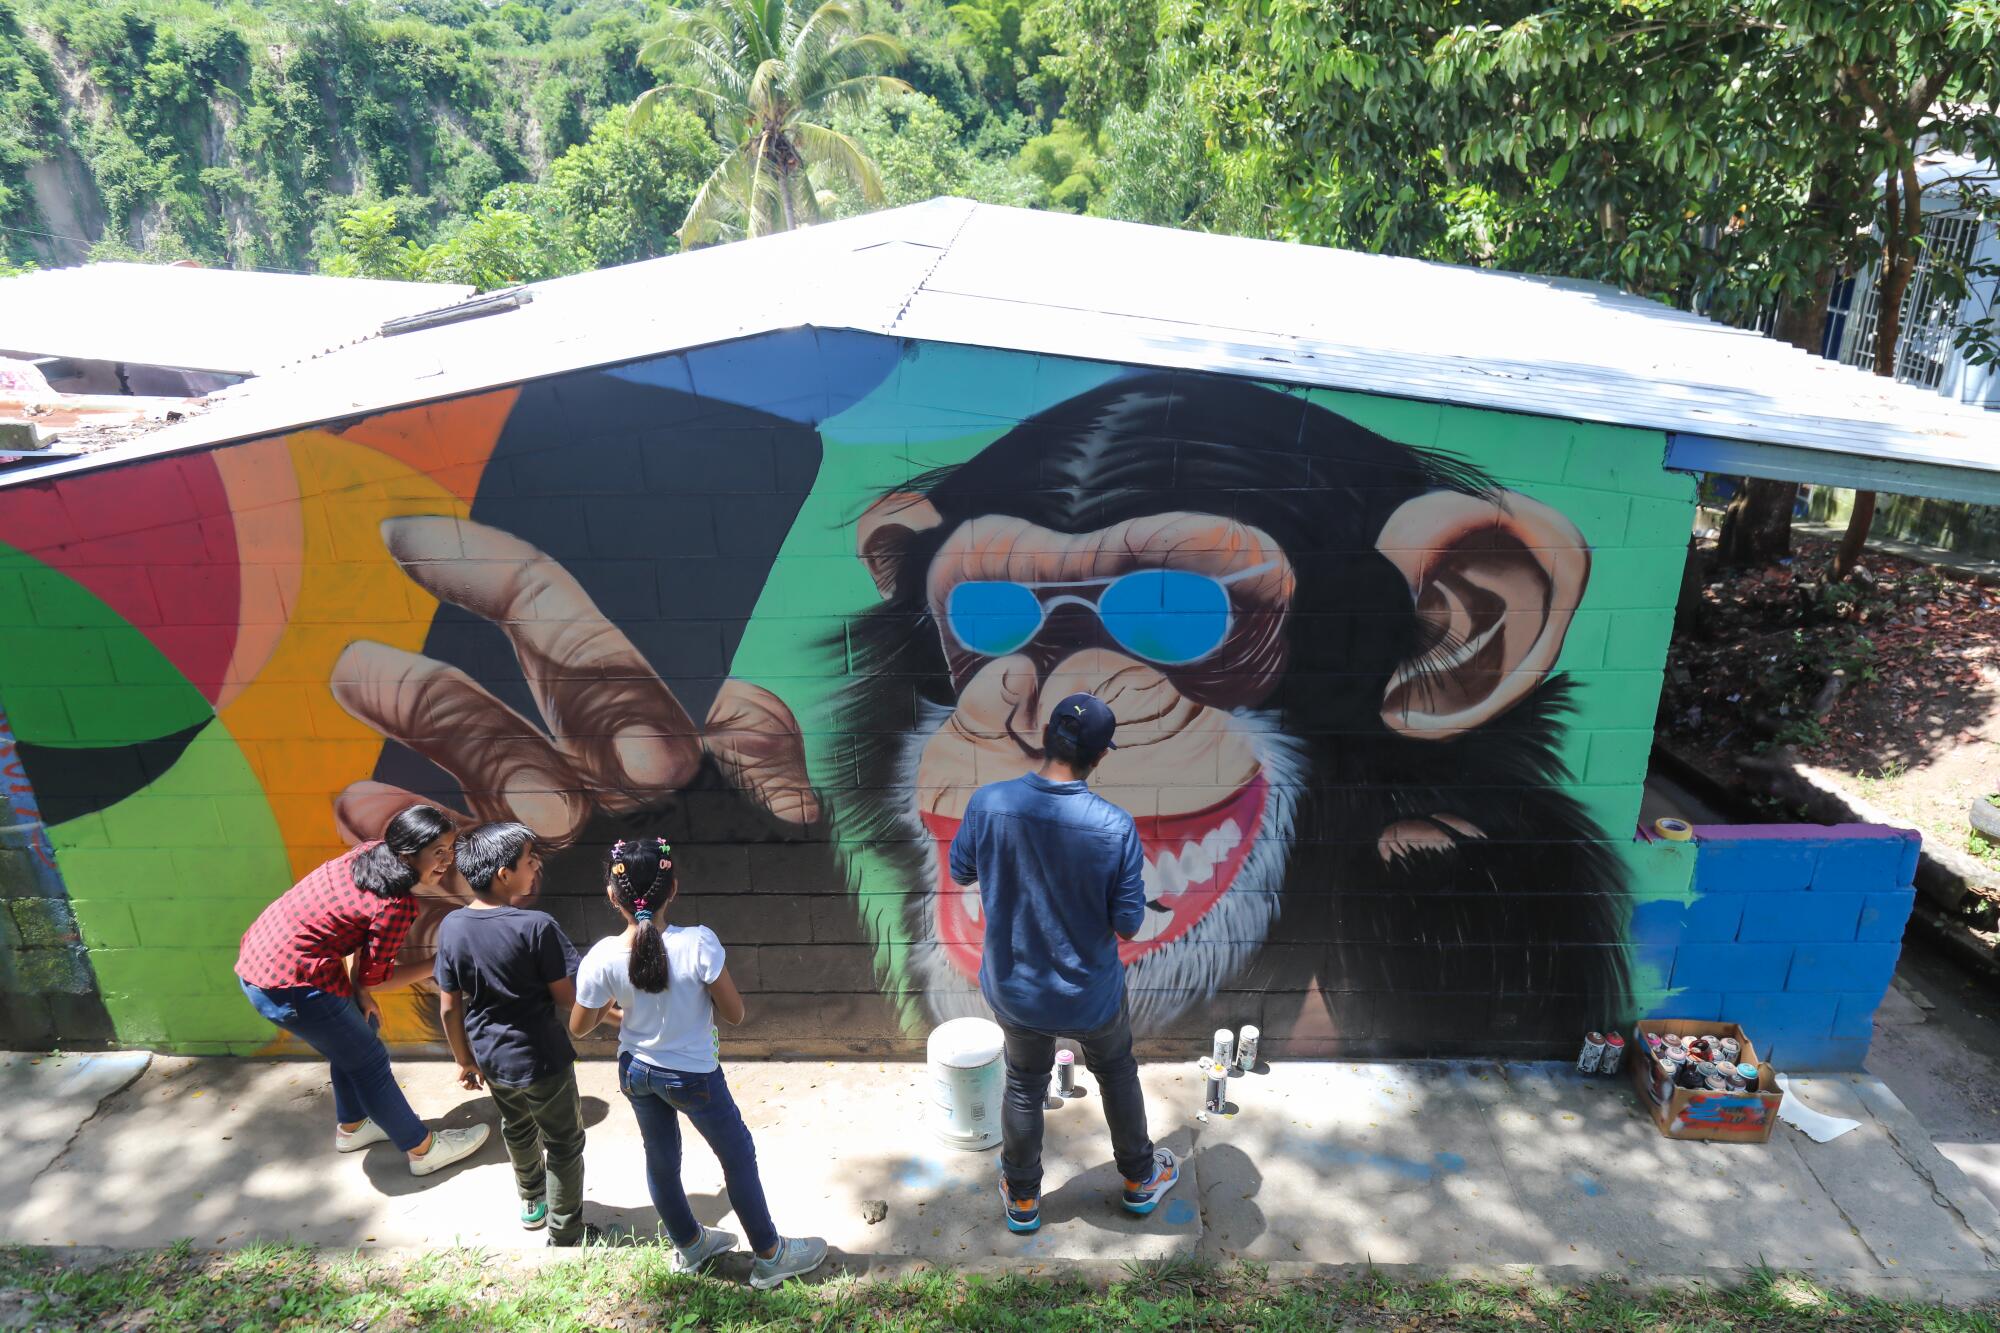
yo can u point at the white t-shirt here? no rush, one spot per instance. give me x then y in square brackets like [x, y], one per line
[674, 1029]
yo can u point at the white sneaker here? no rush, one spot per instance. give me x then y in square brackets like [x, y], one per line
[795, 1258]
[370, 1132]
[448, 1146]
[697, 1255]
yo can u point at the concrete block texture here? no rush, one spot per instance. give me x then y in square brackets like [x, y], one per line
[733, 597]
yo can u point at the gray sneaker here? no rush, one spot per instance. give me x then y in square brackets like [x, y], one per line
[696, 1256]
[448, 1146]
[795, 1258]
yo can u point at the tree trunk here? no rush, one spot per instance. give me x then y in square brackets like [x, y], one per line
[1903, 221]
[1757, 526]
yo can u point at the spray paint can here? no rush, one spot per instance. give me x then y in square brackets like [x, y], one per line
[1664, 1070]
[1065, 1073]
[1748, 1073]
[1224, 1051]
[1216, 1086]
[1730, 1048]
[1592, 1054]
[1614, 1053]
[1246, 1048]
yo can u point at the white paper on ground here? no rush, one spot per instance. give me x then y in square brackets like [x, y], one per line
[1815, 1125]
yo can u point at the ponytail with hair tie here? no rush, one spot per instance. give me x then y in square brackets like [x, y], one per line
[648, 859]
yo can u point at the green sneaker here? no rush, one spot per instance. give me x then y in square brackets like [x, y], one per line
[534, 1215]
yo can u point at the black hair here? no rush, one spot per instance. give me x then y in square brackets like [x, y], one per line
[642, 876]
[381, 869]
[485, 851]
[1059, 741]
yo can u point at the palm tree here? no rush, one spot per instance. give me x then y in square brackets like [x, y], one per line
[771, 72]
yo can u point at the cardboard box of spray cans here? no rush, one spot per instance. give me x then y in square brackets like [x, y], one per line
[1747, 1116]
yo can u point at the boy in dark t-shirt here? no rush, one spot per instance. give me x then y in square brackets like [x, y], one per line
[503, 973]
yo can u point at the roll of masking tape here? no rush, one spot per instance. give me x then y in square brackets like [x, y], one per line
[1674, 830]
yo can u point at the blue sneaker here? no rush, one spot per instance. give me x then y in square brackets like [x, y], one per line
[1023, 1215]
[1143, 1196]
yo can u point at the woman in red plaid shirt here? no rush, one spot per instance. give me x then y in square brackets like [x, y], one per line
[311, 958]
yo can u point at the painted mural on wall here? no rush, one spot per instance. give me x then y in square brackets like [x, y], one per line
[1385, 675]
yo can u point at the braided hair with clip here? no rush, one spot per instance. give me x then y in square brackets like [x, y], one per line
[634, 862]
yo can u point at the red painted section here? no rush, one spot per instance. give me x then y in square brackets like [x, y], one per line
[135, 537]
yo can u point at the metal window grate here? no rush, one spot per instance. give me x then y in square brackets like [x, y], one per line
[1930, 316]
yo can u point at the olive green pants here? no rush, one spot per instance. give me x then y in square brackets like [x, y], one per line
[543, 1127]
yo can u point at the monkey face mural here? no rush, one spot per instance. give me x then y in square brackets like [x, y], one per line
[789, 603]
[1330, 659]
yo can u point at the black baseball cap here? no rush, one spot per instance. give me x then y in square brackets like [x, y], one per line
[1086, 721]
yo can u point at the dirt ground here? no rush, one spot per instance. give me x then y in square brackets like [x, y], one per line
[1915, 724]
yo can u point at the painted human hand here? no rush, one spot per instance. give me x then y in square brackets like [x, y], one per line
[613, 737]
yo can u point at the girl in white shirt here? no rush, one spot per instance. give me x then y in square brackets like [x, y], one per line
[669, 982]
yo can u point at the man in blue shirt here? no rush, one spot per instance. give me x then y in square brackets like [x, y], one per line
[1058, 870]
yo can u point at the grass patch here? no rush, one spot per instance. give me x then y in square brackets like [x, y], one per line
[282, 1289]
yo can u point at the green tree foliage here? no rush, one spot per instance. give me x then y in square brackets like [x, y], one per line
[770, 73]
[920, 151]
[235, 133]
[30, 126]
[1100, 53]
[625, 192]
[1004, 47]
[1065, 161]
[618, 197]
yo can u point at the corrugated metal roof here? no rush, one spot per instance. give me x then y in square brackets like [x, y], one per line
[958, 272]
[213, 319]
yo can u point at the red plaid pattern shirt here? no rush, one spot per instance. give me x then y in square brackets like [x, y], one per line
[303, 937]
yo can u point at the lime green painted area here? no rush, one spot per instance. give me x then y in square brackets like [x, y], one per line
[163, 882]
[188, 906]
[77, 675]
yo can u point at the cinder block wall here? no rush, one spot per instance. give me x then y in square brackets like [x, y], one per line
[1383, 843]
[1793, 933]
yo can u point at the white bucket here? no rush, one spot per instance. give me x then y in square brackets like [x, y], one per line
[968, 1078]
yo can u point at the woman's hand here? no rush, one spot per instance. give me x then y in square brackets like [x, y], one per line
[468, 1078]
[371, 1012]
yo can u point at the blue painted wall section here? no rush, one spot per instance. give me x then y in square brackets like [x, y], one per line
[1792, 932]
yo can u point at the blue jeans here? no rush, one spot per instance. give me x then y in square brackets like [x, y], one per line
[363, 1087]
[659, 1098]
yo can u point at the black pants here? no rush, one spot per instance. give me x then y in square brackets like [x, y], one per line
[542, 1124]
[1107, 1054]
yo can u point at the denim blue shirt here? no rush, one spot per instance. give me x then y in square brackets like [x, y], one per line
[1058, 869]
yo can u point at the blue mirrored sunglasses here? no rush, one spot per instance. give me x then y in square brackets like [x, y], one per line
[1169, 616]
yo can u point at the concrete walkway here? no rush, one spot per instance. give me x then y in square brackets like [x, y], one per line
[1454, 1167]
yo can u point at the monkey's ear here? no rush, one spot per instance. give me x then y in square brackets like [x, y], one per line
[1496, 578]
[885, 528]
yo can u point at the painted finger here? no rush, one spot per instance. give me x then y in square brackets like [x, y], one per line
[620, 727]
[364, 809]
[507, 769]
[755, 740]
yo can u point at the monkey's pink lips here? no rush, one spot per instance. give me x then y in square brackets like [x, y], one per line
[1191, 861]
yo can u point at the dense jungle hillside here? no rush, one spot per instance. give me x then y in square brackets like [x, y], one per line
[449, 139]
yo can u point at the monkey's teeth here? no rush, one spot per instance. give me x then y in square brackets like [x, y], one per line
[1173, 879]
[1150, 877]
[1155, 926]
[972, 902]
[1196, 864]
